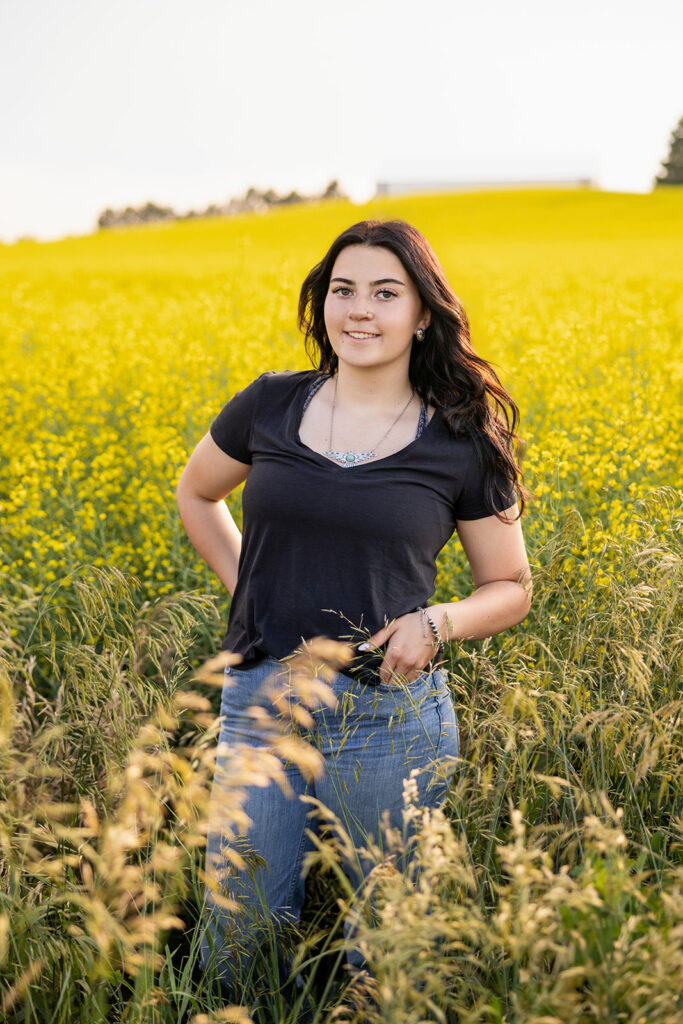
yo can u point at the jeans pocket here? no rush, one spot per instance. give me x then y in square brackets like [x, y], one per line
[398, 684]
[237, 690]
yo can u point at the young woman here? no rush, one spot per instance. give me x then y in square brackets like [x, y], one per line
[357, 474]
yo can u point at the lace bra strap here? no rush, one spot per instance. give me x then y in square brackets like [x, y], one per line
[313, 388]
[423, 420]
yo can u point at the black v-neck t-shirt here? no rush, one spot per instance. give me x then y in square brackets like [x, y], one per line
[334, 551]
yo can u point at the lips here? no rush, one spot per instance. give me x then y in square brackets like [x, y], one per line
[362, 335]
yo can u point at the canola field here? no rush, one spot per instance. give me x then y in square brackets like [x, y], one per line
[117, 351]
[552, 886]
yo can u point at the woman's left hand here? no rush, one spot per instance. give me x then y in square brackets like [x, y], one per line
[407, 649]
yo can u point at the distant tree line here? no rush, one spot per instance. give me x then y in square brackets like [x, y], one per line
[673, 167]
[253, 200]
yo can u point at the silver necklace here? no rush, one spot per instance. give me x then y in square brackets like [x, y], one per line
[350, 458]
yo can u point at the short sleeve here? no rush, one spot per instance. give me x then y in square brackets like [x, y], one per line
[232, 428]
[472, 501]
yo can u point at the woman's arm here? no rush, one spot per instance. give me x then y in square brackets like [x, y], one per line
[501, 598]
[502, 580]
[209, 475]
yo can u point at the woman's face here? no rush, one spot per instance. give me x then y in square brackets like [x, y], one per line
[372, 308]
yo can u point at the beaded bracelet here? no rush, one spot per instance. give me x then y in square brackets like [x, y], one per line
[426, 617]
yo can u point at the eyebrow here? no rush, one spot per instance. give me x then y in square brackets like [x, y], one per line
[384, 280]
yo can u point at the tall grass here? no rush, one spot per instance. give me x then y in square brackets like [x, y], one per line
[102, 811]
[548, 888]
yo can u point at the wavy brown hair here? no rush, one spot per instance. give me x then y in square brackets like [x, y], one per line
[444, 368]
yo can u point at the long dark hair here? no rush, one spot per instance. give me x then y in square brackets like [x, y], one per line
[444, 368]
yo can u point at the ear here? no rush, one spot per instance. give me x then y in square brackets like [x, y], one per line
[426, 319]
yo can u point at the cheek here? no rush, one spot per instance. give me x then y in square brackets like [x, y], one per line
[334, 316]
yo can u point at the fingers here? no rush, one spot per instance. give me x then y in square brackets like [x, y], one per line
[377, 639]
[398, 668]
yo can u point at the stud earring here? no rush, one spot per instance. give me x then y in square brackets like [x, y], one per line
[420, 334]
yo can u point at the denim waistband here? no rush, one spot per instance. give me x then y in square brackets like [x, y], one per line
[364, 667]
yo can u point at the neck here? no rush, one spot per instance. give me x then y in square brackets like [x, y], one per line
[381, 388]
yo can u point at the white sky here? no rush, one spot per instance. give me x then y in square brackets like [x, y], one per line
[186, 103]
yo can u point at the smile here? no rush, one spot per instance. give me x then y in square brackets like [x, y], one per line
[360, 335]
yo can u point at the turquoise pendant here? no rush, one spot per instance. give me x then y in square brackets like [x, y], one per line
[348, 459]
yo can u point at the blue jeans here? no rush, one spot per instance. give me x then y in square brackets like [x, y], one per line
[371, 741]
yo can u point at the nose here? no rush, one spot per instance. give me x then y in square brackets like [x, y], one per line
[359, 309]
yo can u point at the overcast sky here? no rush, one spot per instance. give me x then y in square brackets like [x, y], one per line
[186, 103]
